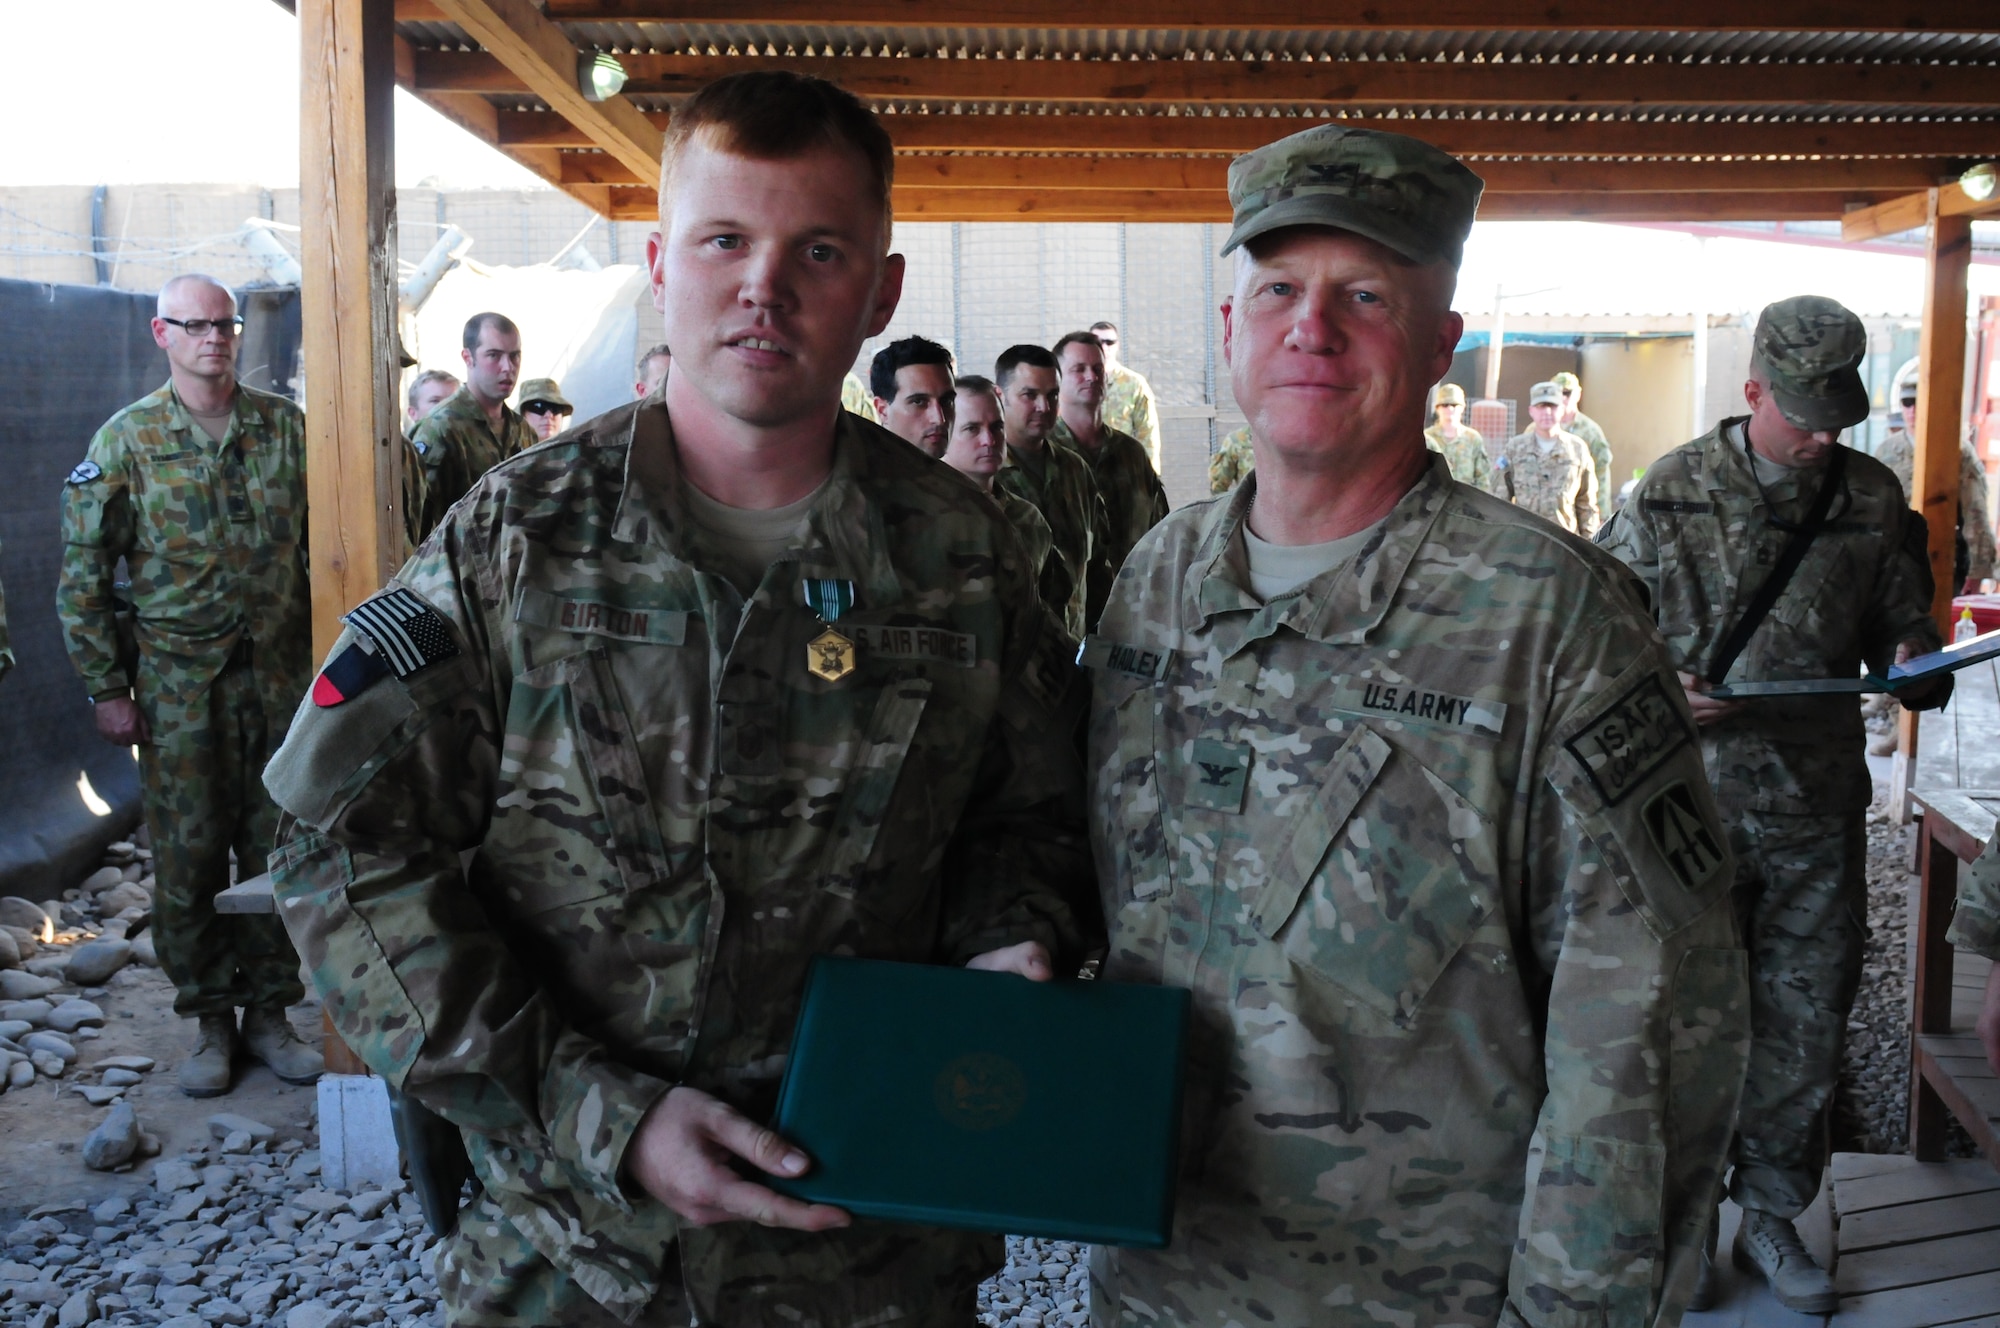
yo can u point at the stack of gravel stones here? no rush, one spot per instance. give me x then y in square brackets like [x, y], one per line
[1046, 1284]
[225, 1238]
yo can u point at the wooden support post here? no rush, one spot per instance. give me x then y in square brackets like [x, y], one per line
[347, 214]
[1934, 480]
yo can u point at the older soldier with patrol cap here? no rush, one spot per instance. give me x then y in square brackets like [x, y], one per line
[200, 489]
[1398, 781]
[719, 681]
[1462, 446]
[1772, 552]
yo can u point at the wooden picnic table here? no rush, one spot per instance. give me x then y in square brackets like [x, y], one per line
[1948, 1070]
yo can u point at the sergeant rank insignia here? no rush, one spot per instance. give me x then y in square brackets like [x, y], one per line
[830, 655]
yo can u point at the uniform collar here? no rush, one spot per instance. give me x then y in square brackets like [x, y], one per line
[465, 406]
[1342, 606]
[843, 538]
[242, 416]
[1727, 463]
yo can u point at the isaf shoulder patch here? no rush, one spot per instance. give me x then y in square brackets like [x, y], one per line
[1632, 738]
[85, 472]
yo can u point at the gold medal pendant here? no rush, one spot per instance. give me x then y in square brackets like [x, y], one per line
[830, 656]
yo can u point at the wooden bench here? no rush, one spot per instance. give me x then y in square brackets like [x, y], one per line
[1948, 1071]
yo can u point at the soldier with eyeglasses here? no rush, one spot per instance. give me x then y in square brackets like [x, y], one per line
[201, 489]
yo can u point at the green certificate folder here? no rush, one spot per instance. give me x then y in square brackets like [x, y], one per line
[984, 1101]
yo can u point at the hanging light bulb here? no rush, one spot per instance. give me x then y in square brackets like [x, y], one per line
[599, 76]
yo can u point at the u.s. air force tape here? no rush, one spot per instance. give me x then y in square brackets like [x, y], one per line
[1147, 662]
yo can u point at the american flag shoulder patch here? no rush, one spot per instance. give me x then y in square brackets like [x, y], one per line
[407, 633]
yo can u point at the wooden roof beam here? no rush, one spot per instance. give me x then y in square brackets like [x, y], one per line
[1239, 133]
[1181, 174]
[1362, 15]
[534, 52]
[1912, 212]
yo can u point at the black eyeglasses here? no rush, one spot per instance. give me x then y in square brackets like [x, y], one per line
[201, 327]
[543, 408]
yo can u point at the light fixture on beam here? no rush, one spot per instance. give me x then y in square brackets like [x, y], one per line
[599, 75]
[1980, 181]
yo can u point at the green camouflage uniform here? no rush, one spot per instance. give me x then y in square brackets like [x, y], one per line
[1558, 486]
[413, 497]
[1134, 501]
[1031, 526]
[855, 397]
[1789, 772]
[214, 538]
[1131, 408]
[1975, 926]
[667, 818]
[1899, 454]
[1599, 448]
[1066, 496]
[1430, 843]
[457, 445]
[1465, 454]
[1233, 459]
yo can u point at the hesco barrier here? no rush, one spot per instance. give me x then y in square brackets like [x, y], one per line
[71, 356]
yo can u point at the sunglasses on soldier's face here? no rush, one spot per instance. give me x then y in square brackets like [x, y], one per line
[543, 408]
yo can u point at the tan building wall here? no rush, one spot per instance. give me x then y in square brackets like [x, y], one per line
[1640, 393]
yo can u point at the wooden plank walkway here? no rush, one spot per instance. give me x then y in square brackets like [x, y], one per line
[1919, 1243]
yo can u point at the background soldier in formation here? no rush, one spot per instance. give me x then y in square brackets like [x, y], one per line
[545, 408]
[978, 449]
[1548, 471]
[200, 489]
[1975, 552]
[643, 731]
[1572, 420]
[1462, 446]
[1772, 552]
[474, 429]
[1052, 478]
[1129, 404]
[1127, 484]
[428, 390]
[1233, 460]
[911, 380]
[1468, 1004]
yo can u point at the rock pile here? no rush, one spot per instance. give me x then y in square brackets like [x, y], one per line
[227, 1236]
[1046, 1284]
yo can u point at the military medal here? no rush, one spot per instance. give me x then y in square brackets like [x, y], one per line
[830, 655]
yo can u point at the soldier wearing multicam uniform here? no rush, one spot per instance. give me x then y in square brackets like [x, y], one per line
[1055, 479]
[1462, 446]
[1975, 530]
[1399, 782]
[977, 449]
[1703, 530]
[1548, 471]
[1129, 404]
[1233, 460]
[695, 720]
[200, 489]
[1574, 421]
[474, 429]
[1134, 499]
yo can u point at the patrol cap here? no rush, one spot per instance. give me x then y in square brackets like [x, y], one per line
[544, 390]
[1809, 347]
[1451, 394]
[1567, 382]
[1545, 394]
[1400, 192]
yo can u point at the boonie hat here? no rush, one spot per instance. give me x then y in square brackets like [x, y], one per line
[544, 390]
[1810, 347]
[1401, 192]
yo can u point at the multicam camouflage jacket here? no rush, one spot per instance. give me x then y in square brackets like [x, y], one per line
[456, 445]
[1899, 453]
[857, 399]
[1465, 454]
[1134, 500]
[213, 536]
[1599, 447]
[1558, 485]
[1233, 459]
[1429, 840]
[667, 815]
[1066, 496]
[1698, 533]
[1975, 926]
[1031, 526]
[1131, 408]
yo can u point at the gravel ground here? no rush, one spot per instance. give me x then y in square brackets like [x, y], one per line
[1046, 1284]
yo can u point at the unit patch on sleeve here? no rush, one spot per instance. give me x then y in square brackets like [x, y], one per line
[1630, 740]
[1675, 825]
[85, 472]
[405, 630]
[1132, 661]
[349, 674]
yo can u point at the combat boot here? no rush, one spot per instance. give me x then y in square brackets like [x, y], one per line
[268, 1037]
[1770, 1247]
[206, 1071]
